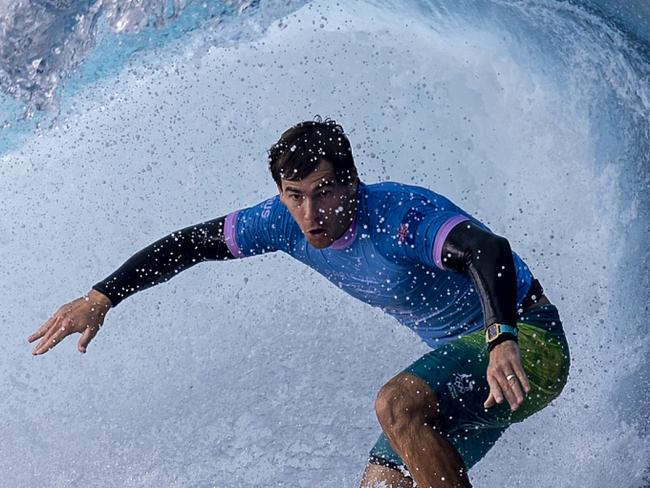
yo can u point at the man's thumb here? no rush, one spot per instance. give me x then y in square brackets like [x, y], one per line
[86, 337]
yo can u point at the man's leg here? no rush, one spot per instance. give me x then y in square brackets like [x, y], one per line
[409, 414]
[458, 429]
[376, 476]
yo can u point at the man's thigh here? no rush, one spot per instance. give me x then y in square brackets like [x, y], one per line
[456, 373]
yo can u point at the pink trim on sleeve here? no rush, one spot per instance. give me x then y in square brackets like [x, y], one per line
[441, 237]
[230, 234]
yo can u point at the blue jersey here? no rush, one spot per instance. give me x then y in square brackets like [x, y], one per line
[390, 257]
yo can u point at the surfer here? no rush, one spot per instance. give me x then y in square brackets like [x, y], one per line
[498, 355]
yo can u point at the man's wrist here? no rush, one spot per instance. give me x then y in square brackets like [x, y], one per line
[98, 298]
[497, 333]
[501, 339]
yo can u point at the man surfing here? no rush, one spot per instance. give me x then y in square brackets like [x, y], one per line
[498, 355]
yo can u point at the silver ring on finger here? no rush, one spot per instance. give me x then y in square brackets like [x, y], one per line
[509, 377]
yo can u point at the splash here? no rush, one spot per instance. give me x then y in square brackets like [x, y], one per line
[534, 115]
[43, 42]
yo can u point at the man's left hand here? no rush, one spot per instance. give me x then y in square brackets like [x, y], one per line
[506, 376]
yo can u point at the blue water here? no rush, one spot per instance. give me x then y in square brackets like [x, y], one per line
[123, 122]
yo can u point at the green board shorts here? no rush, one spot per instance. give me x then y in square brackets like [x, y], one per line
[456, 373]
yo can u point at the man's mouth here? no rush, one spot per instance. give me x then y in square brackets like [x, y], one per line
[316, 232]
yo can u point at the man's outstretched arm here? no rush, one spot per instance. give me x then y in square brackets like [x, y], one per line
[152, 265]
[488, 260]
[165, 258]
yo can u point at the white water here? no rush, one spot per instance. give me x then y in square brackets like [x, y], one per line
[215, 379]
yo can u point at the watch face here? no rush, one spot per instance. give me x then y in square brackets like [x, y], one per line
[492, 332]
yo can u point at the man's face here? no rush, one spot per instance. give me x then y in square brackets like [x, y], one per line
[323, 207]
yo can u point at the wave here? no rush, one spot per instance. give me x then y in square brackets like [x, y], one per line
[158, 116]
[44, 42]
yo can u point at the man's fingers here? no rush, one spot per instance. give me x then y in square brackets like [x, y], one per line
[489, 402]
[495, 389]
[40, 332]
[57, 331]
[45, 345]
[515, 387]
[506, 387]
[523, 379]
[86, 337]
[44, 338]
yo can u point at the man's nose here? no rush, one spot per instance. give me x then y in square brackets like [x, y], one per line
[311, 211]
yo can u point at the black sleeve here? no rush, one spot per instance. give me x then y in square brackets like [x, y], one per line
[488, 259]
[165, 258]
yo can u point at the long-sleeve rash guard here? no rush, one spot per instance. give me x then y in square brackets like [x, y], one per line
[391, 257]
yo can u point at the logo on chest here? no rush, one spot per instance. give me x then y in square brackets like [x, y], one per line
[402, 233]
[408, 228]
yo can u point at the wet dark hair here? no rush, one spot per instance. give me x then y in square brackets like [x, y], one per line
[301, 148]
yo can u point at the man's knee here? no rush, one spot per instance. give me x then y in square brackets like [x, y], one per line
[404, 399]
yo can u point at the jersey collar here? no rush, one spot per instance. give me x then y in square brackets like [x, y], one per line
[348, 236]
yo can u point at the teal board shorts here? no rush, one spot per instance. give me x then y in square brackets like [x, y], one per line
[456, 373]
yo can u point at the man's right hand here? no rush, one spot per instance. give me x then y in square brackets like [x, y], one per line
[84, 315]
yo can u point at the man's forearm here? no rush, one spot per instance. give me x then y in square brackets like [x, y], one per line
[165, 258]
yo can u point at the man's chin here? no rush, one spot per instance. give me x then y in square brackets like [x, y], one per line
[319, 242]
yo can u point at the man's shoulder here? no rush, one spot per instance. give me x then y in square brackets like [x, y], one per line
[269, 215]
[265, 209]
[391, 193]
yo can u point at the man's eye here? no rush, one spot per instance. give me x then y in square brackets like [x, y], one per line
[295, 197]
[325, 193]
